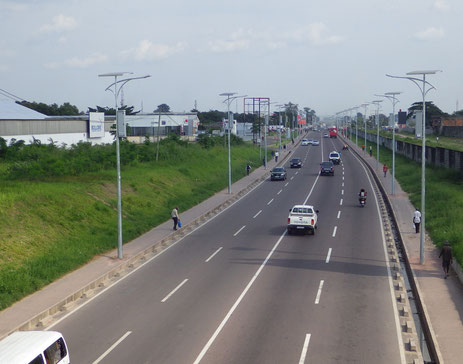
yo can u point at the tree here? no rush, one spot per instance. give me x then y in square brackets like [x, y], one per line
[52, 110]
[163, 108]
[432, 111]
[111, 111]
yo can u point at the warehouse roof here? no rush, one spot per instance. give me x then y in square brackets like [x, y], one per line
[10, 110]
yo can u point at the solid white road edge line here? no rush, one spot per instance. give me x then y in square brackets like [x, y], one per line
[174, 290]
[339, 214]
[319, 293]
[212, 256]
[334, 231]
[304, 349]
[328, 256]
[389, 275]
[239, 230]
[148, 261]
[102, 356]
[268, 203]
[257, 214]
[246, 289]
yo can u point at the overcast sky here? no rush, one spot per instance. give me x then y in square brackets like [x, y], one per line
[328, 55]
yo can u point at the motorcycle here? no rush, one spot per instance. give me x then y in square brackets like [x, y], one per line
[345, 147]
[362, 201]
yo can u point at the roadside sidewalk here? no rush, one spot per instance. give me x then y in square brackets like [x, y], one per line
[31, 310]
[442, 298]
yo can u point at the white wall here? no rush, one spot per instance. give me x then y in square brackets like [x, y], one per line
[59, 139]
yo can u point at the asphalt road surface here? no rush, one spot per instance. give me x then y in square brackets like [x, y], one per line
[240, 290]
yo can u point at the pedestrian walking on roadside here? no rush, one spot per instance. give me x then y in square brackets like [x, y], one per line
[284, 146]
[385, 169]
[174, 215]
[248, 169]
[446, 254]
[371, 151]
[276, 156]
[417, 220]
[363, 147]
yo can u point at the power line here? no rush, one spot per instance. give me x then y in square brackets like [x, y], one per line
[11, 96]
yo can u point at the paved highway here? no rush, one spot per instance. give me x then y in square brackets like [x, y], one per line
[239, 290]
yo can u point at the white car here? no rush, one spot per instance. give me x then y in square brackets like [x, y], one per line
[326, 135]
[302, 218]
[335, 157]
[305, 142]
[315, 142]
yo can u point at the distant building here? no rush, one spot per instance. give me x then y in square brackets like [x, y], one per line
[21, 123]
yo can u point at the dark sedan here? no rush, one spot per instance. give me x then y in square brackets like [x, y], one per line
[327, 168]
[295, 163]
[278, 173]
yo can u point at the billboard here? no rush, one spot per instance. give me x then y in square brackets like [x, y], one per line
[96, 125]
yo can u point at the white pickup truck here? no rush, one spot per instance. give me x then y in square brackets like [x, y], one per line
[302, 218]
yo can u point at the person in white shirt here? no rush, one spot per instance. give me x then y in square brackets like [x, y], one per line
[417, 220]
[174, 215]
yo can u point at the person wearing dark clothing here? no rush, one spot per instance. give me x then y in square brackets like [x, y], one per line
[248, 169]
[371, 151]
[446, 254]
[417, 220]
[174, 215]
[385, 169]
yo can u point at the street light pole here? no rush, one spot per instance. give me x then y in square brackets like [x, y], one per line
[228, 100]
[377, 102]
[394, 100]
[423, 90]
[365, 105]
[118, 154]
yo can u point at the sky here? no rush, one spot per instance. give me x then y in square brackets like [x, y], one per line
[329, 55]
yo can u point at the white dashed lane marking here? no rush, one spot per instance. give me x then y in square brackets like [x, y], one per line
[174, 290]
[328, 256]
[339, 214]
[319, 293]
[257, 214]
[239, 230]
[212, 256]
[279, 192]
[340, 202]
[287, 183]
[305, 347]
[268, 203]
[334, 231]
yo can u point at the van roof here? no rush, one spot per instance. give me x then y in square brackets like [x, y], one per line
[21, 347]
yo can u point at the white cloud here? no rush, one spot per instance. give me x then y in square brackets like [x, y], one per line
[79, 62]
[316, 33]
[441, 5]
[229, 45]
[149, 51]
[59, 23]
[431, 33]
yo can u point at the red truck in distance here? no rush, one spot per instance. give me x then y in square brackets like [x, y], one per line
[333, 133]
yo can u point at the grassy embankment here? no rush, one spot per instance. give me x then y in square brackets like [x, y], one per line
[50, 226]
[444, 197]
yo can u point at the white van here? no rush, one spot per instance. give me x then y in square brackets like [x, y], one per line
[34, 347]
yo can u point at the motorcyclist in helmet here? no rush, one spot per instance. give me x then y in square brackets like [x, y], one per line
[362, 195]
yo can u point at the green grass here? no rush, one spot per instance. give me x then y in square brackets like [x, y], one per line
[50, 227]
[444, 197]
